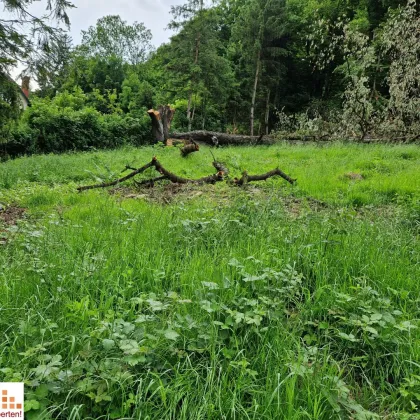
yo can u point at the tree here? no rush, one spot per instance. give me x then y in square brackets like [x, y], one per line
[9, 103]
[24, 39]
[359, 56]
[400, 40]
[197, 69]
[51, 70]
[137, 95]
[258, 35]
[114, 37]
[187, 16]
[101, 78]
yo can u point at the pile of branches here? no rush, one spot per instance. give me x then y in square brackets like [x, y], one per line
[221, 174]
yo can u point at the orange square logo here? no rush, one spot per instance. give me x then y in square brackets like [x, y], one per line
[12, 397]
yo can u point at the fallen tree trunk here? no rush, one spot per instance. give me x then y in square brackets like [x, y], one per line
[213, 138]
[275, 172]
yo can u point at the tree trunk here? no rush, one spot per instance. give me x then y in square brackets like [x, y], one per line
[254, 92]
[197, 51]
[189, 111]
[212, 138]
[267, 112]
[161, 122]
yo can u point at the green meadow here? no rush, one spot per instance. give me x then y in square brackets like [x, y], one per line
[271, 301]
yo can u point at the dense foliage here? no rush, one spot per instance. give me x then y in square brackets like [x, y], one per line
[29, 40]
[324, 68]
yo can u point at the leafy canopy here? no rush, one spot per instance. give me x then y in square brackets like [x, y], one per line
[113, 36]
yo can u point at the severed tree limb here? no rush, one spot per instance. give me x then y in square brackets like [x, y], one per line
[211, 179]
[172, 177]
[127, 167]
[219, 165]
[248, 178]
[165, 174]
[189, 148]
[221, 168]
[117, 181]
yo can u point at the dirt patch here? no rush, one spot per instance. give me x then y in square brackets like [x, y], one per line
[11, 214]
[167, 193]
[354, 175]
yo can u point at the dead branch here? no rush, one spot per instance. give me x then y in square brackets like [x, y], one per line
[222, 171]
[211, 179]
[117, 181]
[127, 167]
[219, 165]
[249, 178]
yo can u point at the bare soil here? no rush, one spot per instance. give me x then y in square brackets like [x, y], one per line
[11, 214]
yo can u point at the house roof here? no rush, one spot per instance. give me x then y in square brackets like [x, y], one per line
[21, 92]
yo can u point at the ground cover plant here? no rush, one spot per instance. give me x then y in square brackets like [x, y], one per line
[213, 301]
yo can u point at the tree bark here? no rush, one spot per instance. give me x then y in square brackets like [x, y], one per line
[222, 138]
[275, 172]
[254, 92]
[161, 122]
[267, 113]
[190, 116]
[189, 119]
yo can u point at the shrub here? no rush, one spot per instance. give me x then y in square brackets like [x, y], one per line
[60, 125]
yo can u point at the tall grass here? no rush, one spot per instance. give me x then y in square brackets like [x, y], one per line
[235, 304]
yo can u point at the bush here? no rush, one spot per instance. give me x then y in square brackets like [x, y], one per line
[20, 140]
[48, 126]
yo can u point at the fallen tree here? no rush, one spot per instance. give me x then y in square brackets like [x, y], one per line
[165, 174]
[222, 139]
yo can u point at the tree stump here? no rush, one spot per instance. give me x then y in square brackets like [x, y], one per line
[161, 122]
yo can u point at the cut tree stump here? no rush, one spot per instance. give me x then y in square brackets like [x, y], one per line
[161, 122]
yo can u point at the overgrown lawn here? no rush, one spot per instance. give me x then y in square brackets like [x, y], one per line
[206, 302]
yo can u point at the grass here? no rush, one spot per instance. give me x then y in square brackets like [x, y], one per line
[215, 302]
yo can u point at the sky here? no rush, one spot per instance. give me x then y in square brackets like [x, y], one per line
[155, 14]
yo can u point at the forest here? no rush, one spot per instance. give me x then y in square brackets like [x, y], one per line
[311, 69]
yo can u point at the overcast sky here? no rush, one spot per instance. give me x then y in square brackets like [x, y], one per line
[155, 14]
